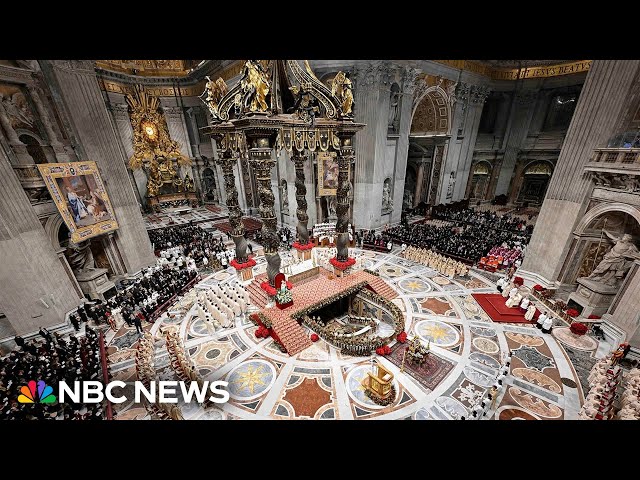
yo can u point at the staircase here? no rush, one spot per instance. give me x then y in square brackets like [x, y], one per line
[292, 335]
[379, 286]
[258, 297]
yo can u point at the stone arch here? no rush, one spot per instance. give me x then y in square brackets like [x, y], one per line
[432, 114]
[599, 210]
[478, 183]
[531, 184]
[52, 228]
[34, 145]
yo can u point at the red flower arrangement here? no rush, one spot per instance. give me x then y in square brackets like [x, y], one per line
[518, 281]
[299, 246]
[572, 312]
[538, 288]
[578, 328]
[402, 337]
[241, 266]
[342, 265]
[262, 332]
[386, 350]
[314, 337]
[271, 290]
[594, 317]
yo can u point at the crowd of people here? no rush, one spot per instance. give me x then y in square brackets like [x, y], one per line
[218, 307]
[489, 219]
[190, 242]
[464, 240]
[52, 360]
[377, 241]
[443, 265]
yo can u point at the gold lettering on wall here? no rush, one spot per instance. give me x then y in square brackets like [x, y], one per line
[515, 73]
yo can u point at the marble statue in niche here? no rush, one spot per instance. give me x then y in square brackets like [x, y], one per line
[617, 261]
[394, 103]
[387, 201]
[284, 196]
[452, 184]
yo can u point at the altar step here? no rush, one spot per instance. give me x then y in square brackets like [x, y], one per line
[381, 287]
[293, 336]
[257, 295]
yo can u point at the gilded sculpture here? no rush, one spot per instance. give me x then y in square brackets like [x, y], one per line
[153, 148]
[341, 88]
[254, 86]
[213, 93]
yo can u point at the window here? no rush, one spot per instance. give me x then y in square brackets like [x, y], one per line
[560, 111]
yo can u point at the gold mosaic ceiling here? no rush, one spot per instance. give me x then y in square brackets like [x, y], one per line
[149, 68]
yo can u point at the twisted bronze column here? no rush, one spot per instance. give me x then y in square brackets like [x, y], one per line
[260, 157]
[301, 200]
[226, 162]
[342, 209]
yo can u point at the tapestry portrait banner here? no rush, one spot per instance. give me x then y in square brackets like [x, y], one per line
[79, 194]
[327, 173]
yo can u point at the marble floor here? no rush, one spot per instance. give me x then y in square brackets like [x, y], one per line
[321, 383]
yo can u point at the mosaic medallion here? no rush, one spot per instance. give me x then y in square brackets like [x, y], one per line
[485, 345]
[453, 407]
[509, 412]
[220, 276]
[535, 404]
[532, 358]
[483, 331]
[392, 271]
[251, 379]
[198, 328]
[525, 339]
[537, 378]
[483, 359]
[414, 285]
[480, 378]
[437, 332]
[581, 342]
[441, 280]
[356, 390]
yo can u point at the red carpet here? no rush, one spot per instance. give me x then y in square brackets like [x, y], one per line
[493, 305]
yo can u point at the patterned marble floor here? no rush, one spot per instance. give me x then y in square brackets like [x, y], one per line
[321, 383]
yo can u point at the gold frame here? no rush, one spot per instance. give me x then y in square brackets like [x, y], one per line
[322, 191]
[52, 171]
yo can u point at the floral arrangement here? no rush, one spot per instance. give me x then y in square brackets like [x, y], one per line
[262, 332]
[342, 265]
[594, 317]
[402, 337]
[578, 328]
[299, 246]
[538, 288]
[283, 295]
[241, 266]
[386, 350]
[271, 291]
[572, 312]
[314, 337]
[518, 281]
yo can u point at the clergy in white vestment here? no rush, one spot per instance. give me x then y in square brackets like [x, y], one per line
[531, 311]
[524, 304]
[541, 319]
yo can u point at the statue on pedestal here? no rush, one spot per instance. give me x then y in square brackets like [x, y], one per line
[617, 261]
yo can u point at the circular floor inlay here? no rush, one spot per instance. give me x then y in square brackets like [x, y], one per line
[437, 332]
[251, 379]
[356, 390]
[441, 280]
[581, 342]
[485, 345]
[414, 285]
[568, 382]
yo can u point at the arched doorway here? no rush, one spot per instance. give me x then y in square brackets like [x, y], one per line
[479, 181]
[409, 186]
[34, 149]
[535, 182]
[209, 185]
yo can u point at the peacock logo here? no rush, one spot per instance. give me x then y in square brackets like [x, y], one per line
[28, 393]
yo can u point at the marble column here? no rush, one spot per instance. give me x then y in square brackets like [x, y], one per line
[409, 77]
[301, 199]
[521, 116]
[260, 154]
[624, 312]
[77, 88]
[436, 174]
[342, 209]
[419, 181]
[35, 290]
[227, 162]
[602, 102]
[371, 98]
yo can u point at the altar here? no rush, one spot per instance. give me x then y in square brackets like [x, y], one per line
[301, 271]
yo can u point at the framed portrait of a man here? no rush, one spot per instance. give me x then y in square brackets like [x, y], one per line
[327, 173]
[81, 198]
